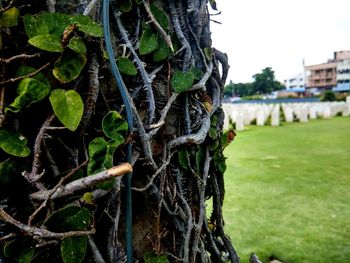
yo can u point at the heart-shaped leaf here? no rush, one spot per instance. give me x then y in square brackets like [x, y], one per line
[56, 22]
[148, 41]
[51, 43]
[29, 91]
[73, 249]
[35, 25]
[13, 143]
[9, 17]
[162, 52]
[69, 218]
[160, 16]
[114, 126]
[69, 66]
[86, 25]
[126, 66]
[20, 251]
[124, 5]
[24, 70]
[101, 158]
[182, 81]
[68, 107]
[77, 44]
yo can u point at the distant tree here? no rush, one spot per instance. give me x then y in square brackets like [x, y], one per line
[229, 89]
[238, 89]
[265, 82]
[328, 95]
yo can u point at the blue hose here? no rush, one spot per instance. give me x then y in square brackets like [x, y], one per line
[129, 117]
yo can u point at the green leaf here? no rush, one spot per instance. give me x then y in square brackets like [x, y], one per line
[77, 45]
[24, 70]
[86, 25]
[160, 16]
[9, 18]
[47, 42]
[183, 158]
[35, 25]
[182, 81]
[29, 91]
[7, 170]
[68, 107]
[200, 157]
[13, 143]
[69, 66]
[208, 52]
[126, 66]
[222, 165]
[213, 133]
[196, 72]
[69, 218]
[114, 126]
[162, 52]
[148, 42]
[20, 250]
[213, 4]
[138, 2]
[73, 249]
[125, 5]
[88, 198]
[214, 145]
[151, 257]
[56, 22]
[101, 154]
[97, 155]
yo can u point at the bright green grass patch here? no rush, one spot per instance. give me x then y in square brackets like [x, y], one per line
[288, 192]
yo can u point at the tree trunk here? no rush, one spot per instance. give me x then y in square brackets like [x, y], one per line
[74, 197]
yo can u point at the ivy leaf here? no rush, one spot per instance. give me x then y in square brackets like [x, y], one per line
[35, 25]
[151, 257]
[138, 2]
[183, 158]
[114, 126]
[13, 143]
[213, 133]
[227, 138]
[148, 42]
[77, 45]
[126, 66]
[29, 91]
[213, 4]
[9, 18]
[47, 42]
[19, 250]
[68, 107]
[86, 25]
[69, 218]
[160, 16]
[196, 72]
[101, 158]
[182, 81]
[56, 22]
[222, 165]
[101, 154]
[97, 154]
[200, 156]
[68, 67]
[124, 5]
[208, 52]
[7, 170]
[24, 70]
[73, 249]
[162, 52]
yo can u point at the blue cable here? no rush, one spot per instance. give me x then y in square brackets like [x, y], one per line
[129, 117]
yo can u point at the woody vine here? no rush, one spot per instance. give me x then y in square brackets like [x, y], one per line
[64, 133]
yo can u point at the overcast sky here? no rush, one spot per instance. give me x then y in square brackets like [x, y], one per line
[279, 34]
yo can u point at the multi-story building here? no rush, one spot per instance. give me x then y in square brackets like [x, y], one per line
[343, 76]
[295, 82]
[325, 75]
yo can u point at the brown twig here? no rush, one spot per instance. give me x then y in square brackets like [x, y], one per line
[21, 56]
[82, 183]
[25, 76]
[4, 9]
[41, 232]
[59, 184]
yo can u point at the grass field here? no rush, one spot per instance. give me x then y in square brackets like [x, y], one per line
[288, 192]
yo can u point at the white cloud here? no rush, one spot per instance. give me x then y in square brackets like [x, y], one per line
[279, 34]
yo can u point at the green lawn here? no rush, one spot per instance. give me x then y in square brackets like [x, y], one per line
[288, 192]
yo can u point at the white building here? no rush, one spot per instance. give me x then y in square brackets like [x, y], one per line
[343, 76]
[295, 82]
